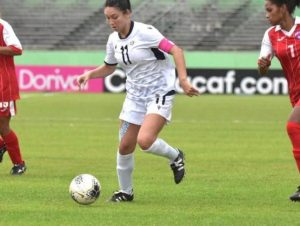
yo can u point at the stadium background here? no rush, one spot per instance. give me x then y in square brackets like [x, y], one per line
[219, 38]
[240, 170]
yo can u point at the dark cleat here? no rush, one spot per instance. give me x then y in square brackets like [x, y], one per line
[18, 169]
[296, 197]
[178, 167]
[119, 196]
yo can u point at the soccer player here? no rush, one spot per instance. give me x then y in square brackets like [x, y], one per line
[143, 52]
[10, 46]
[283, 41]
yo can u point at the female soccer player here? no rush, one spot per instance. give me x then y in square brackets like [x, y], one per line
[10, 46]
[283, 41]
[142, 51]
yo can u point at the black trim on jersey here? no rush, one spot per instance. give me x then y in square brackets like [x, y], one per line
[158, 54]
[130, 30]
[110, 64]
[170, 93]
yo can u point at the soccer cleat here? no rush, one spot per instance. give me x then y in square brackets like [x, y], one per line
[119, 196]
[18, 169]
[296, 197]
[178, 167]
[2, 151]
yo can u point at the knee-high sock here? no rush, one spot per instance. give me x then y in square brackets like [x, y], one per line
[12, 146]
[293, 130]
[162, 148]
[125, 164]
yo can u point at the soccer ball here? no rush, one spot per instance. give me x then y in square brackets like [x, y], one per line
[85, 189]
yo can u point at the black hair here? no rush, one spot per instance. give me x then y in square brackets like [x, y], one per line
[123, 5]
[291, 4]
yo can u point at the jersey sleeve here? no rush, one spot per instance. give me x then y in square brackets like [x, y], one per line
[266, 47]
[151, 37]
[10, 37]
[110, 52]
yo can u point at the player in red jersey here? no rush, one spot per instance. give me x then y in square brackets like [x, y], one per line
[10, 46]
[283, 41]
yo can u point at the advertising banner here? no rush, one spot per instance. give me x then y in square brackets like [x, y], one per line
[54, 79]
[219, 81]
[244, 82]
[208, 81]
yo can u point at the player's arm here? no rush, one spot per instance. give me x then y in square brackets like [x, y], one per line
[99, 72]
[179, 60]
[109, 66]
[265, 56]
[13, 45]
[178, 56]
[10, 51]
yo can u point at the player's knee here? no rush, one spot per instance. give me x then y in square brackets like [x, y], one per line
[126, 147]
[292, 128]
[145, 142]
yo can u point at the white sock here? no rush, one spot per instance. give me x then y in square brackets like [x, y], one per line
[161, 148]
[125, 165]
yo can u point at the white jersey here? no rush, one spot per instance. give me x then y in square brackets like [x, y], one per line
[149, 71]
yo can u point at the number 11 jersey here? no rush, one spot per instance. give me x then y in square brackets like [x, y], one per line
[149, 71]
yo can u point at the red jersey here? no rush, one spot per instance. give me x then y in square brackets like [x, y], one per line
[9, 89]
[285, 45]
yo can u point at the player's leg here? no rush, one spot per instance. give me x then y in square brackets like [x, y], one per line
[148, 138]
[10, 139]
[158, 113]
[2, 144]
[150, 143]
[125, 161]
[293, 130]
[131, 116]
[2, 149]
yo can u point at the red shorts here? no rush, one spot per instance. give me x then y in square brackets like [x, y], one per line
[8, 108]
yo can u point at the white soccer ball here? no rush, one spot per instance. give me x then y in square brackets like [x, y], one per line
[85, 189]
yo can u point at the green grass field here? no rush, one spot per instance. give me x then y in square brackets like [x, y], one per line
[240, 169]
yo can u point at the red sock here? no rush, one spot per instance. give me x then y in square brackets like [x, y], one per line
[293, 130]
[12, 146]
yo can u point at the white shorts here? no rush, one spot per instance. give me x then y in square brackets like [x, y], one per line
[134, 111]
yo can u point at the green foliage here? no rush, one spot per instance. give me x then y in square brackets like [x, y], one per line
[240, 169]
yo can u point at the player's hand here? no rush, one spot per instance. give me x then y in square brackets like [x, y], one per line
[82, 80]
[189, 89]
[264, 62]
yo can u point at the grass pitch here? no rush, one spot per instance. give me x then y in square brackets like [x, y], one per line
[240, 169]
